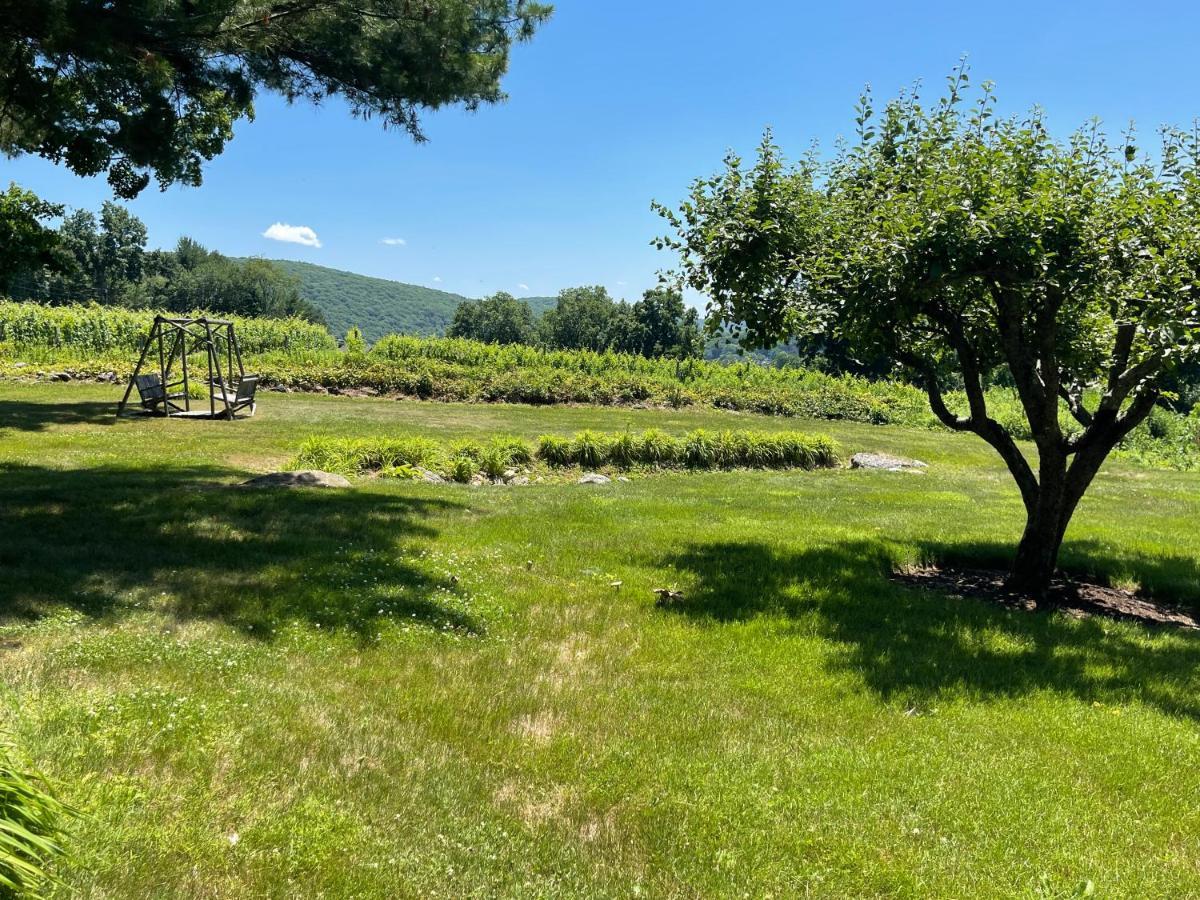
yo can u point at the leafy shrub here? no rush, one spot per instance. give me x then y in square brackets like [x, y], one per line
[494, 461]
[463, 469]
[658, 448]
[30, 828]
[623, 449]
[518, 450]
[555, 450]
[588, 449]
[359, 456]
[467, 449]
[700, 450]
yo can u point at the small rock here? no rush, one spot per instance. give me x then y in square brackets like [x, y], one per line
[20, 365]
[107, 377]
[510, 474]
[60, 376]
[305, 478]
[622, 478]
[520, 480]
[594, 478]
[885, 461]
[429, 477]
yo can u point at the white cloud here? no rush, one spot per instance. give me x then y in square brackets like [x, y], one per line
[522, 287]
[621, 283]
[292, 234]
[437, 279]
[394, 242]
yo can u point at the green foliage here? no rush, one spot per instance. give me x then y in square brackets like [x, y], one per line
[300, 355]
[622, 449]
[30, 828]
[467, 449]
[587, 449]
[517, 451]
[962, 245]
[463, 469]
[450, 657]
[105, 261]
[555, 450]
[194, 278]
[499, 319]
[699, 449]
[156, 88]
[355, 343]
[494, 461]
[353, 456]
[657, 448]
[586, 318]
[99, 330]
[27, 246]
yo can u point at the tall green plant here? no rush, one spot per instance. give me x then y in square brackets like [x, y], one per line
[31, 821]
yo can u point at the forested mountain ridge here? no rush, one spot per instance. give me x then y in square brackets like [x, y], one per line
[379, 306]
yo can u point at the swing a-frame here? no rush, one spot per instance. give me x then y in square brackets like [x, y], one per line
[163, 379]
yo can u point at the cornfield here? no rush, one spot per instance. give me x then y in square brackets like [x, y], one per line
[97, 329]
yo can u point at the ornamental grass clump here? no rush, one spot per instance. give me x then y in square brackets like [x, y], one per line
[463, 469]
[700, 450]
[589, 449]
[518, 450]
[494, 462]
[623, 450]
[658, 448]
[362, 456]
[652, 449]
[554, 450]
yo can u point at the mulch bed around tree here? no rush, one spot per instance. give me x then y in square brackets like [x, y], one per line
[1078, 599]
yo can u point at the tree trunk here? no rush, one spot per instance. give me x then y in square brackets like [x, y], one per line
[1037, 554]
[1058, 494]
[1045, 525]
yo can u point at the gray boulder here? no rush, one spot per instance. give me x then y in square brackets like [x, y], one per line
[594, 478]
[305, 478]
[885, 461]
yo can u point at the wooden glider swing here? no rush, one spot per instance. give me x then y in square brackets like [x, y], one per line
[174, 340]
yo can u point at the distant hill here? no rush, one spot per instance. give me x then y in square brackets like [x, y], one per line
[379, 306]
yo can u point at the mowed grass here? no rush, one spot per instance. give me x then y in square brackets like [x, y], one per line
[425, 690]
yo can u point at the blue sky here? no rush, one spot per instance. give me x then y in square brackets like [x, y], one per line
[617, 103]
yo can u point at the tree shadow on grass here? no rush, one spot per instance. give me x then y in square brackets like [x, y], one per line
[22, 415]
[1171, 579]
[916, 647]
[108, 541]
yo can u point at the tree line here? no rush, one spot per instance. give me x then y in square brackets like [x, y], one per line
[587, 318]
[103, 258]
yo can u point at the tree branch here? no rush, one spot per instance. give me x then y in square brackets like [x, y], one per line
[1074, 400]
[978, 423]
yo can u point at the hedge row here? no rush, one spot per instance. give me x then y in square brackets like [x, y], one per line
[587, 449]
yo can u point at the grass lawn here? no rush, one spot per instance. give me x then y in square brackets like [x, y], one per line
[408, 690]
